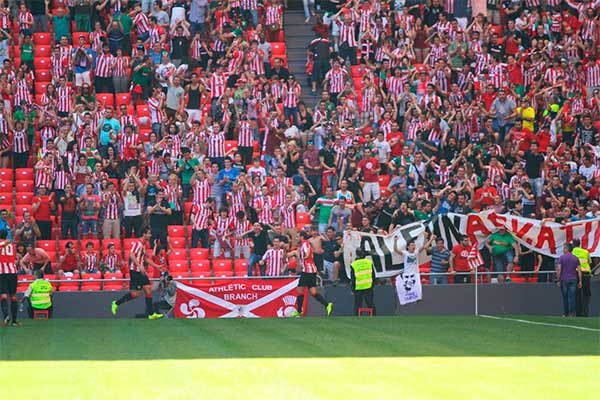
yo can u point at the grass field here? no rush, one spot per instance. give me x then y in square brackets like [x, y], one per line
[311, 358]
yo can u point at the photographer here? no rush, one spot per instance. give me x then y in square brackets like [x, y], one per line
[167, 291]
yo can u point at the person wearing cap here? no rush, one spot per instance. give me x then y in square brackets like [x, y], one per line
[584, 292]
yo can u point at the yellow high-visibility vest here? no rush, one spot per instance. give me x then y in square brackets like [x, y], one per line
[363, 271]
[583, 255]
[40, 294]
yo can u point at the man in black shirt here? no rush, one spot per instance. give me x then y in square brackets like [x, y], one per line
[260, 237]
[327, 158]
[321, 50]
[534, 165]
[180, 38]
[159, 211]
[586, 133]
[331, 248]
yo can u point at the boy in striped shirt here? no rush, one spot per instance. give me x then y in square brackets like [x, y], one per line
[274, 259]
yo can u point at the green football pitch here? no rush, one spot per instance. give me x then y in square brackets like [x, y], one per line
[310, 358]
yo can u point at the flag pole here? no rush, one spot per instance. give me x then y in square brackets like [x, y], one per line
[476, 291]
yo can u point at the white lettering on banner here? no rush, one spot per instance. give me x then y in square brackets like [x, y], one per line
[240, 296]
[234, 287]
[262, 287]
[544, 238]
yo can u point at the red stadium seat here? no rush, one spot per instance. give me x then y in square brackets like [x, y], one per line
[142, 111]
[42, 63]
[223, 274]
[123, 98]
[112, 283]
[42, 38]
[127, 245]
[230, 147]
[181, 275]
[187, 207]
[24, 198]
[303, 218]
[23, 282]
[24, 174]
[106, 99]
[49, 246]
[66, 284]
[42, 51]
[5, 187]
[6, 200]
[384, 180]
[221, 265]
[178, 254]
[178, 266]
[93, 281]
[177, 242]
[201, 265]
[176, 231]
[199, 274]
[278, 48]
[42, 75]
[199, 254]
[240, 267]
[76, 36]
[6, 174]
[21, 208]
[40, 87]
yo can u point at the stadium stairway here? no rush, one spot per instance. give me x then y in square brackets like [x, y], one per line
[297, 36]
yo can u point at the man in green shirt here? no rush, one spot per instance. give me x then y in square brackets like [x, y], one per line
[19, 115]
[126, 22]
[141, 75]
[60, 22]
[324, 204]
[186, 168]
[505, 251]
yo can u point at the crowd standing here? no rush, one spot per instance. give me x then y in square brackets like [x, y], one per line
[180, 112]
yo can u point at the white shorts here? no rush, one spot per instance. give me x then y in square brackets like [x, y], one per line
[193, 115]
[82, 78]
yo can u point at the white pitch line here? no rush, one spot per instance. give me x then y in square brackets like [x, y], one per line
[524, 321]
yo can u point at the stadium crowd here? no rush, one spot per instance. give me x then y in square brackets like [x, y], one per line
[183, 116]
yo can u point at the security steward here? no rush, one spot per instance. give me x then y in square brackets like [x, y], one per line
[39, 295]
[585, 293]
[362, 274]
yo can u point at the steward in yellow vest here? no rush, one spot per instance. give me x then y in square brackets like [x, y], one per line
[583, 295]
[39, 295]
[362, 275]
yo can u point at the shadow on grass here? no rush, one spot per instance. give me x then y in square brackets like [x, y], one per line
[126, 339]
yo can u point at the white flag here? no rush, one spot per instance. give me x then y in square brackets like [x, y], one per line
[408, 285]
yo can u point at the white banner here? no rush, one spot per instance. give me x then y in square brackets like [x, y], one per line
[408, 286]
[380, 248]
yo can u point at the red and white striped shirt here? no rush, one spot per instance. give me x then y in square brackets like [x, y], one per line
[274, 260]
[21, 92]
[266, 205]
[245, 134]
[138, 252]
[553, 74]
[63, 96]
[201, 190]
[291, 95]
[90, 261]
[347, 33]
[20, 143]
[200, 217]
[128, 145]
[336, 80]
[25, 20]
[156, 113]
[61, 178]
[7, 258]
[111, 205]
[44, 174]
[173, 195]
[104, 66]
[239, 228]
[141, 23]
[112, 262]
[498, 76]
[288, 215]
[307, 261]
[216, 85]
[222, 225]
[216, 145]
[273, 14]
[592, 75]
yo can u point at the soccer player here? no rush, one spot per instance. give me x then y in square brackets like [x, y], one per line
[138, 259]
[308, 276]
[8, 279]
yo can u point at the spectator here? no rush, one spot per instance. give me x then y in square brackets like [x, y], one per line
[159, 211]
[28, 230]
[459, 264]
[90, 205]
[568, 274]
[260, 239]
[43, 207]
[36, 259]
[90, 259]
[68, 263]
[68, 212]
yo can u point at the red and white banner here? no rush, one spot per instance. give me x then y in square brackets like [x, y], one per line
[237, 298]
